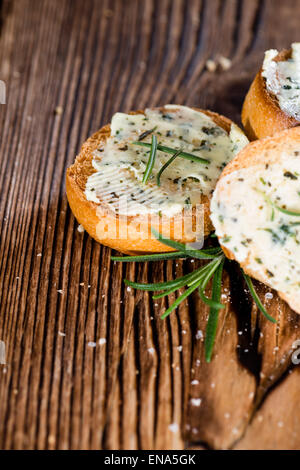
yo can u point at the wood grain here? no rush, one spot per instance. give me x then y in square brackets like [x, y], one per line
[89, 363]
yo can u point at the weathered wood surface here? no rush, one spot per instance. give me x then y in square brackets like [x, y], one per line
[145, 384]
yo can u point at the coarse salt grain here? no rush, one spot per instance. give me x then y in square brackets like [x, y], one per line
[80, 229]
[225, 63]
[196, 401]
[199, 334]
[173, 427]
[102, 341]
[211, 65]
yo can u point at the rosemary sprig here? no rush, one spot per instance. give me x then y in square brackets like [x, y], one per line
[186, 155]
[151, 160]
[198, 279]
[212, 323]
[177, 154]
[256, 298]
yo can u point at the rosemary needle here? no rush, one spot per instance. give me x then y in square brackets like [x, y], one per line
[275, 206]
[256, 298]
[177, 154]
[155, 257]
[212, 323]
[151, 160]
[186, 155]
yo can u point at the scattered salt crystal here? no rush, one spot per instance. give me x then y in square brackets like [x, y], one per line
[280, 424]
[183, 332]
[213, 385]
[39, 254]
[102, 341]
[179, 348]
[81, 284]
[173, 427]
[240, 333]
[91, 344]
[225, 63]
[60, 291]
[80, 229]
[211, 65]
[269, 295]
[194, 382]
[128, 289]
[235, 431]
[58, 110]
[199, 334]
[260, 418]
[227, 415]
[151, 350]
[196, 401]
[60, 333]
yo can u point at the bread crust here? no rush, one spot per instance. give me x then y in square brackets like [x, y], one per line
[257, 154]
[90, 215]
[261, 114]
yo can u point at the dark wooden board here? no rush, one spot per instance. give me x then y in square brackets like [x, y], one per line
[146, 384]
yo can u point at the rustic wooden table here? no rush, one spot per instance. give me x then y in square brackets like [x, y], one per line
[89, 364]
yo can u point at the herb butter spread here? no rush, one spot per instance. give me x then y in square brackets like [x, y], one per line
[250, 210]
[283, 80]
[120, 164]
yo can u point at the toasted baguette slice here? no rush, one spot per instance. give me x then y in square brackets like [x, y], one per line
[131, 234]
[249, 211]
[261, 113]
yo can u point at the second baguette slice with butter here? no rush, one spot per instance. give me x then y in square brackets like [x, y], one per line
[256, 212]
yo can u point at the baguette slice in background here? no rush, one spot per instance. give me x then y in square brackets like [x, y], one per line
[256, 212]
[272, 103]
[105, 185]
